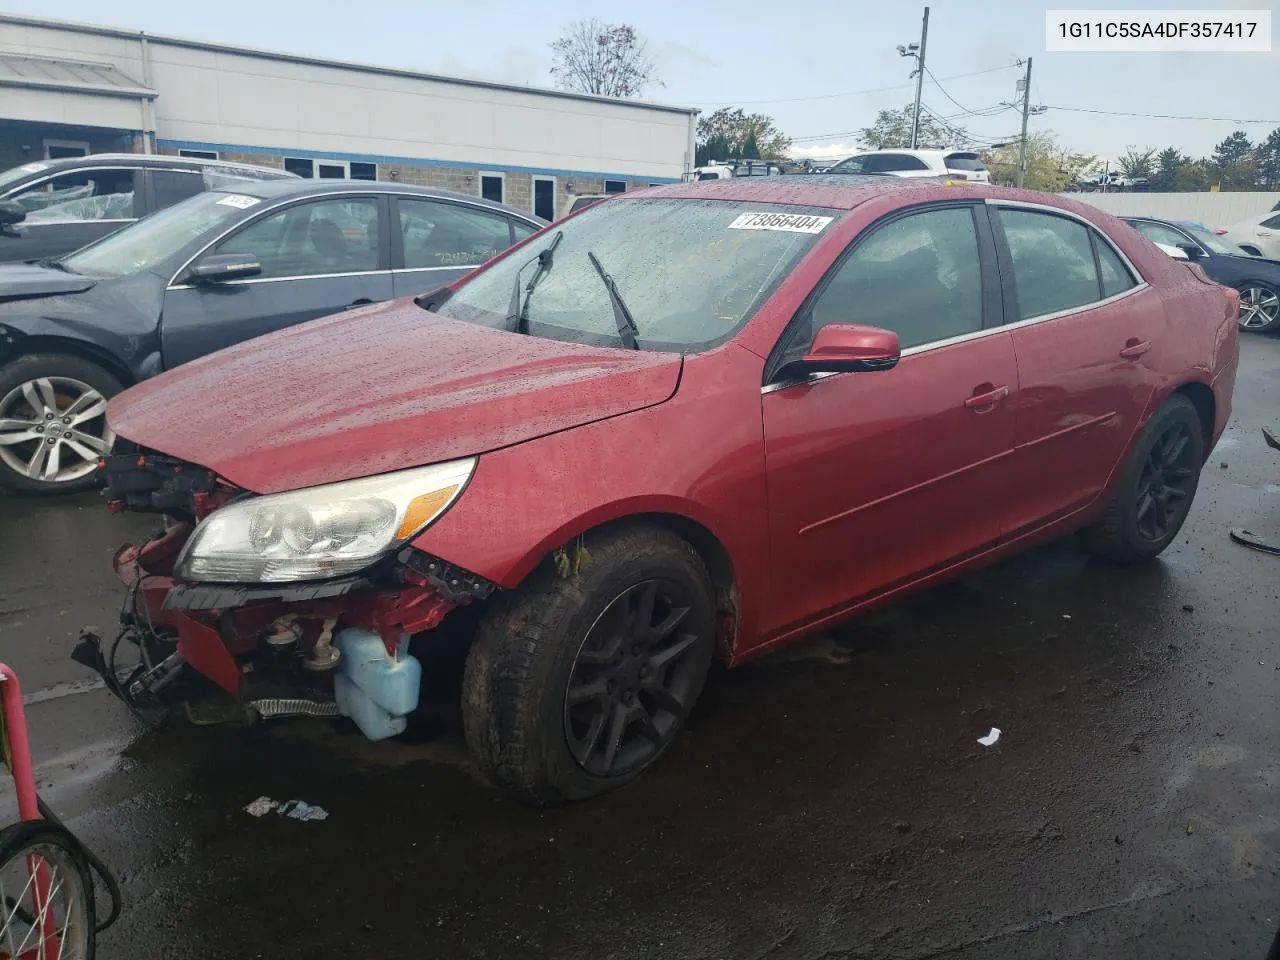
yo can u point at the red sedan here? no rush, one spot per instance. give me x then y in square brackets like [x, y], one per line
[702, 420]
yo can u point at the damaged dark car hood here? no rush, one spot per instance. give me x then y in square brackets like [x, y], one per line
[20, 281]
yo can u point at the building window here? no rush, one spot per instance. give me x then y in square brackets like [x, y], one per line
[615, 186]
[492, 186]
[199, 154]
[363, 171]
[299, 166]
[57, 149]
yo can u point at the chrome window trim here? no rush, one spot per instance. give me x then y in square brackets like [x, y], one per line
[316, 196]
[305, 276]
[46, 223]
[1087, 224]
[976, 335]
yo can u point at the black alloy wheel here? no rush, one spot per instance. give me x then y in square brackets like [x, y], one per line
[1167, 483]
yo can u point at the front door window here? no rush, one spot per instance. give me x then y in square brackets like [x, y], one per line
[310, 239]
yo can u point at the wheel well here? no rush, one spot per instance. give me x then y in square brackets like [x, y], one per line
[713, 554]
[1202, 398]
[76, 348]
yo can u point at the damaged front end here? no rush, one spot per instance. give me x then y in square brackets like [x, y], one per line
[294, 641]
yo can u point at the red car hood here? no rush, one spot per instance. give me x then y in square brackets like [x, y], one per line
[380, 389]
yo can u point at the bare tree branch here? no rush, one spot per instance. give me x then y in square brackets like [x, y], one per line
[605, 59]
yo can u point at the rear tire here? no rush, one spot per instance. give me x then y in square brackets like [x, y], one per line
[1153, 495]
[1259, 307]
[576, 685]
[53, 424]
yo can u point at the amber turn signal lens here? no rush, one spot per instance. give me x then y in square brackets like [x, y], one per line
[422, 508]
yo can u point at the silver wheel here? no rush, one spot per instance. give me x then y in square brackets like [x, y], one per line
[1259, 308]
[53, 429]
[45, 900]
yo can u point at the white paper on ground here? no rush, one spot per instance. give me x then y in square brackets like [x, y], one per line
[990, 738]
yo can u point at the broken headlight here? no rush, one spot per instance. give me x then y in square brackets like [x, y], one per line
[320, 532]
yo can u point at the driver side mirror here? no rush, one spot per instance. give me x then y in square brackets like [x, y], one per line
[1191, 250]
[848, 348]
[224, 266]
[11, 212]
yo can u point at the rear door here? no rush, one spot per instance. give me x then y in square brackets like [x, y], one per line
[877, 478]
[67, 210]
[436, 241]
[1085, 328]
[318, 257]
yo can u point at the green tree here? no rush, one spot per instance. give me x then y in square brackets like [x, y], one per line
[1196, 175]
[1234, 165]
[1050, 167]
[1168, 162]
[892, 128]
[735, 127]
[1268, 155]
[751, 149]
[1138, 163]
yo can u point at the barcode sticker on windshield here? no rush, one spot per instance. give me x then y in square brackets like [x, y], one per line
[238, 200]
[788, 222]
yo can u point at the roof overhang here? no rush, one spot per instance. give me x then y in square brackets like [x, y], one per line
[69, 76]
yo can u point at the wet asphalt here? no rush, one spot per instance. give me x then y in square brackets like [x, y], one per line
[829, 802]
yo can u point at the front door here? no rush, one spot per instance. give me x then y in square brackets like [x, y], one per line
[69, 210]
[877, 478]
[318, 257]
[1084, 333]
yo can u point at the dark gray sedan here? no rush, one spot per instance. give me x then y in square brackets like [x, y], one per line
[219, 268]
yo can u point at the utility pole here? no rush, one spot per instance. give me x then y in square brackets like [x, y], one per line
[1026, 111]
[915, 116]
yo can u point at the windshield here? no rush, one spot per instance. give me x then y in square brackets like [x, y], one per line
[14, 174]
[1211, 240]
[964, 161]
[156, 238]
[690, 271]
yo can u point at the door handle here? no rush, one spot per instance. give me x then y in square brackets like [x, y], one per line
[1134, 349]
[989, 397]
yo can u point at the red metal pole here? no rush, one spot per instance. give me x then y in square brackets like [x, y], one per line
[19, 747]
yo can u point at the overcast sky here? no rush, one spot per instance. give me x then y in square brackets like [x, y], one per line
[805, 63]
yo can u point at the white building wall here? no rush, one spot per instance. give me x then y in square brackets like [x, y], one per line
[1214, 210]
[246, 102]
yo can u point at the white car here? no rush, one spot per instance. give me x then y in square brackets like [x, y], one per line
[956, 164]
[1259, 236]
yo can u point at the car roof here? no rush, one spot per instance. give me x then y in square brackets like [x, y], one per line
[923, 152]
[278, 189]
[159, 160]
[838, 191]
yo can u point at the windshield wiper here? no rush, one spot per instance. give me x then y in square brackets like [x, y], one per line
[517, 311]
[628, 332]
[53, 263]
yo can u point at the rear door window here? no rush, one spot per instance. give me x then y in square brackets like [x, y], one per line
[437, 234]
[1053, 263]
[170, 186]
[893, 162]
[106, 194]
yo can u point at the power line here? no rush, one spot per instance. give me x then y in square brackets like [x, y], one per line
[853, 93]
[1156, 116]
[944, 92]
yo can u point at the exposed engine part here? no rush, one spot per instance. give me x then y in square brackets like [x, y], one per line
[158, 677]
[153, 483]
[325, 656]
[285, 632]
[455, 585]
[274, 707]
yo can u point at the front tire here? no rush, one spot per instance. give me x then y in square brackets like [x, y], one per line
[53, 422]
[576, 685]
[1153, 495]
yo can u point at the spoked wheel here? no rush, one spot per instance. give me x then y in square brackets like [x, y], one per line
[46, 895]
[53, 423]
[1259, 308]
[1167, 483]
[1152, 496]
[633, 680]
[575, 685]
